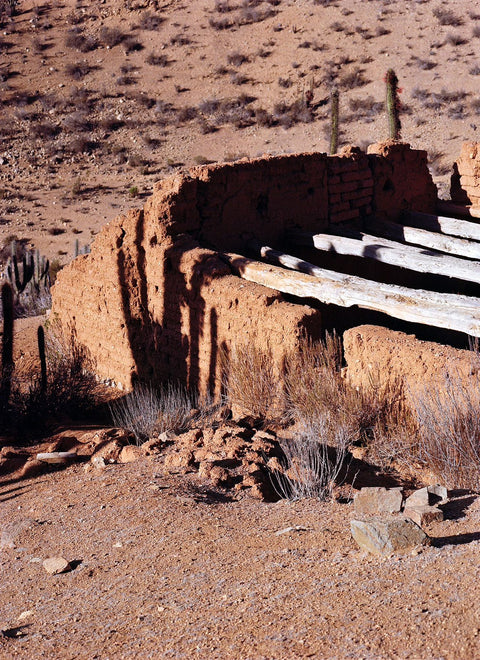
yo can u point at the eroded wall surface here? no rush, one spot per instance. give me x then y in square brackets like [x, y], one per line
[154, 300]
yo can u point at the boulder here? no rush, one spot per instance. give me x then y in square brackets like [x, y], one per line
[418, 498]
[423, 515]
[385, 536]
[374, 500]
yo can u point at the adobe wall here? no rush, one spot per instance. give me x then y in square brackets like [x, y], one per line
[384, 357]
[154, 301]
[465, 183]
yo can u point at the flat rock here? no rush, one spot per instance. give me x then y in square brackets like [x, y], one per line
[374, 500]
[56, 565]
[385, 536]
[438, 491]
[130, 453]
[420, 497]
[423, 515]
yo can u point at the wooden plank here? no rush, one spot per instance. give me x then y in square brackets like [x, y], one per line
[443, 225]
[420, 237]
[443, 310]
[389, 252]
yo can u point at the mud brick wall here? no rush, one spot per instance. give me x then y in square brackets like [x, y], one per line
[350, 186]
[154, 300]
[386, 357]
[402, 181]
[465, 183]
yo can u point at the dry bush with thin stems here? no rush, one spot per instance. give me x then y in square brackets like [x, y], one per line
[250, 381]
[148, 411]
[313, 463]
[448, 418]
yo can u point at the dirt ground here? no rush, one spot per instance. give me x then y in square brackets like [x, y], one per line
[100, 100]
[165, 567]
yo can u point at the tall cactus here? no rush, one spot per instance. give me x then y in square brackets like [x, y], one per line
[393, 105]
[43, 360]
[34, 269]
[334, 103]
[7, 347]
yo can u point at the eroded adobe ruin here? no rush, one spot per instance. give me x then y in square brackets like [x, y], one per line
[155, 300]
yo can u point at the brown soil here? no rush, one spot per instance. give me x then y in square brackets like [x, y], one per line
[80, 129]
[164, 566]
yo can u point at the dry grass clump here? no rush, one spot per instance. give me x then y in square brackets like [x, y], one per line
[148, 411]
[448, 420]
[250, 380]
[70, 390]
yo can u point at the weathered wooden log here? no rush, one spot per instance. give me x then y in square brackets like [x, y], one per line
[443, 225]
[393, 253]
[443, 310]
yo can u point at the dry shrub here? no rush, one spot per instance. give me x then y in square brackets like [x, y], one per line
[313, 462]
[148, 411]
[448, 418]
[250, 381]
[70, 389]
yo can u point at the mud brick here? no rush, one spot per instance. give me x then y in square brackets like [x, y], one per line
[338, 208]
[345, 215]
[356, 194]
[335, 178]
[365, 201]
[343, 187]
[334, 199]
[359, 175]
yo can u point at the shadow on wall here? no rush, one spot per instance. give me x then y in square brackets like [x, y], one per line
[171, 348]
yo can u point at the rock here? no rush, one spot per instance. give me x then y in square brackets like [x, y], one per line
[33, 468]
[61, 457]
[99, 462]
[130, 453]
[56, 565]
[418, 498]
[152, 446]
[423, 515]
[384, 536]
[378, 500]
[438, 491]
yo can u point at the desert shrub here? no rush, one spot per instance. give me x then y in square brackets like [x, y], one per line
[250, 381]
[448, 417]
[111, 36]
[77, 70]
[157, 60]
[148, 412]
[447, 17]
[455, 39]
[70, 388]
[79, 41]
[237, 59]
[8, 8]
[44, 130]
[149, 21]
[313, 462]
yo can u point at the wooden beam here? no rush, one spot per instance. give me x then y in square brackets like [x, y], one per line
[443, 225]
[389, 252]
[439, 242]
[443, 310]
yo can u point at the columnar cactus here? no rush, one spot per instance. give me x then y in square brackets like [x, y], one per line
[43, 360]
[393, 105]
[7, 347]
[334, 103]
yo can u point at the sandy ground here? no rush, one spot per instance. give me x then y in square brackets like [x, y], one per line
[91, 118]
[166, 567]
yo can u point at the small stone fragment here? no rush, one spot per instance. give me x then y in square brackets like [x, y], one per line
[423, 515]
[60, 457]
[98, 462]
[384, 536]
[56, 565]
[418, 498]
[438, 490]
[378, 500]
[130, 453]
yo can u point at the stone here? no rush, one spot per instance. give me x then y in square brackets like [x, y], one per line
[56, 565]
[60, 457]
[438, 491]
[99, 462]
[385, 536]
[374, 500]
[418, 498]
[130, 453]
[423, 515]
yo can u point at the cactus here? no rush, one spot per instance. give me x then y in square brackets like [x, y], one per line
[43, 360]
[393, 105]
[334, 102]
[34, 270]
[7, 347]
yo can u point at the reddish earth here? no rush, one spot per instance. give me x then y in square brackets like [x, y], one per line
[166, 566]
